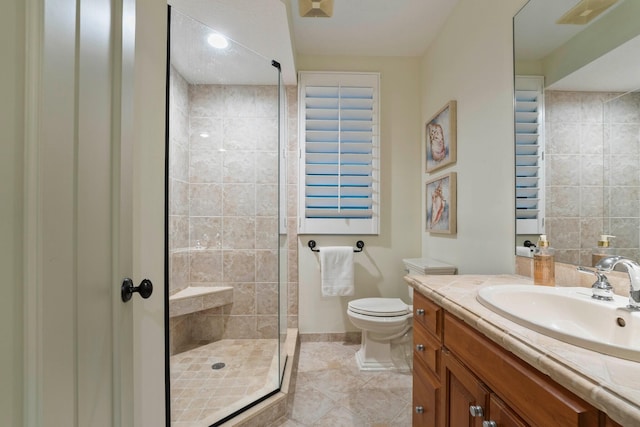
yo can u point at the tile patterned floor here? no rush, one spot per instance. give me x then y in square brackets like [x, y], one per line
[201, 395]
[331, 391]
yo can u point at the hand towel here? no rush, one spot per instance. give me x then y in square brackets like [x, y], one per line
[524, 251]
[336, 270]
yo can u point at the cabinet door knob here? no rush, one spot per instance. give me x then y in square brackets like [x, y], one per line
[419, 410]
[489, 424]
[476, 411]
[420, 347]
[420, 312]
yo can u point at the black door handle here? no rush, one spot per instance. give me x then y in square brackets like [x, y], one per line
[145, 289]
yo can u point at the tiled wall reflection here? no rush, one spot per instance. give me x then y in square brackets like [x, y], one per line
[592, 172]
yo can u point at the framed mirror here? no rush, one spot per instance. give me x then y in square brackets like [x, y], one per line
[589, 162]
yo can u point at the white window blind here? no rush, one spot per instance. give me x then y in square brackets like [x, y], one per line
[339, 153]
[529, 124]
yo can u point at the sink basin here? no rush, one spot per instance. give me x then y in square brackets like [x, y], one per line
[569, 314]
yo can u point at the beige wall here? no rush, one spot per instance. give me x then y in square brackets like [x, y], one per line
[471, 62]
[379, 269]
[11, 159]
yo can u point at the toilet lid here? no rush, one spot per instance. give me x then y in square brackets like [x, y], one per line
[380, 307]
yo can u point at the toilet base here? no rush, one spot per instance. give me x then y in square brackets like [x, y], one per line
[376, 356]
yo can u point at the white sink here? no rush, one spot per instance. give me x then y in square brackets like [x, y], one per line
[570, 315]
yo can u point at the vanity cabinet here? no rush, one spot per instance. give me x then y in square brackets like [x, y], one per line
[468, 400]
[427, 340]
[461, 378]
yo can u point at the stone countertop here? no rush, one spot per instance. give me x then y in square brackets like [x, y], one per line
[608, 383]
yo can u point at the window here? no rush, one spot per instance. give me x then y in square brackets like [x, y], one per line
[339, 153]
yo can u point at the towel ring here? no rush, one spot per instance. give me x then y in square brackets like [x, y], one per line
[358, 248]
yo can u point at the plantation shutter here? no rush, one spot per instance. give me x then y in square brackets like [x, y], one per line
[339, 153]
[530, 146]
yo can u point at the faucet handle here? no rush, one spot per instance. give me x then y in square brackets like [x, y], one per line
[601, 288]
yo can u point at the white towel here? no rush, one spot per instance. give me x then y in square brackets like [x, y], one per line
[336, 270]
[524, 251]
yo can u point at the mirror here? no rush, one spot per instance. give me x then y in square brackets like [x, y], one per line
[590, 161]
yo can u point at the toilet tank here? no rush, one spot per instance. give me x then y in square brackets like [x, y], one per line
[422, 266]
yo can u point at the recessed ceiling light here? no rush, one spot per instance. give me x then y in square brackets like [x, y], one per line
[217, 40]
[204, 135]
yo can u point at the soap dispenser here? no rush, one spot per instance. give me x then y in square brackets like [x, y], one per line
[603, 250]
[544, 269]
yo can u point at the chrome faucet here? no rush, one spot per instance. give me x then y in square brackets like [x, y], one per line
[609, 263]
[601, 289]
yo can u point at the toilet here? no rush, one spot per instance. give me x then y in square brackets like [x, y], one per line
[383, 320]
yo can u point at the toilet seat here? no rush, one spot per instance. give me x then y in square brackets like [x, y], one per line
[379, 307]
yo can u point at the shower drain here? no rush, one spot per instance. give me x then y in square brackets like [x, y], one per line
[218, 365]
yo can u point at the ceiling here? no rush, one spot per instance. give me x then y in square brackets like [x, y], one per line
[252, 26]
[535, 31]
[271, 27]
[371, 27]
[536, 35]
[359, 28]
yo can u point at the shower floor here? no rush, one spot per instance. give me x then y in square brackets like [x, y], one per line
[201, 395]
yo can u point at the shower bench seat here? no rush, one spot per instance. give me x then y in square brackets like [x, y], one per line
[199, 298]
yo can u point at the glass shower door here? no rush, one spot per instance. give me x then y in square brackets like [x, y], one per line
[226, 240]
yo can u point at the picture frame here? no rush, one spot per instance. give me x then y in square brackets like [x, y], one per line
[440, 136]
[441, 195]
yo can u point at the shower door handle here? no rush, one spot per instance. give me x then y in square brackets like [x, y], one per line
[145, 289]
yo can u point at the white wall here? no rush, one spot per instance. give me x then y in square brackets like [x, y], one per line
[379, 269]
[12, 46]
[471, 61]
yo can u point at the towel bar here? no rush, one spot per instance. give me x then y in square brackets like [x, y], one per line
[358, 248]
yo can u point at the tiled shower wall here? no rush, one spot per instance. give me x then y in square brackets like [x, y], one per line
[224, 208]
[592, 170]
[292, 205]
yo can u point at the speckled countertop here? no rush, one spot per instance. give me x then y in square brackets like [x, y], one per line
[608, 383]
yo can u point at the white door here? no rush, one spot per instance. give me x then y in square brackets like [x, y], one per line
[94, 212]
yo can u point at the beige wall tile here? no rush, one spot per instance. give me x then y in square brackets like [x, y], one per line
[239, 233]
[239, 266]
[266, 298]
[244, 299]
[205, 265]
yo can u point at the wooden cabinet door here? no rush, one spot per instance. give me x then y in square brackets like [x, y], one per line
[462, 392]
[502, 415]
[426, 396]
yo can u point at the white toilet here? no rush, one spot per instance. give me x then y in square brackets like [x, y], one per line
[383, 320]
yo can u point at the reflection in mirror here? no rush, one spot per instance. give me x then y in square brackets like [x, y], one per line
[591, 129]
[226, 272]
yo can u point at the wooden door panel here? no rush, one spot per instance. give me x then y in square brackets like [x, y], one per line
[426, 396]
[462, 390]
[502, 415]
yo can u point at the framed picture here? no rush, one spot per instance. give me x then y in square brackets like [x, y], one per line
[441, 204]
[441, 138]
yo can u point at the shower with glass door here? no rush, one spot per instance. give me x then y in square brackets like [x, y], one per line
[225, 230]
